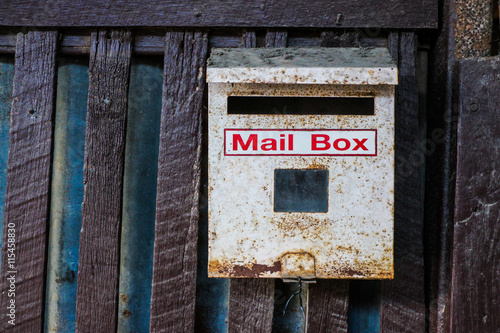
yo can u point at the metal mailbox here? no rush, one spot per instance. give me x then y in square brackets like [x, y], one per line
[301, 163]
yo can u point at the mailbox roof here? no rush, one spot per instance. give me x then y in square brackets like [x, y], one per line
[355, 66]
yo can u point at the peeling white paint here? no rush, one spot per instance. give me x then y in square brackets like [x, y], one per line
[354, 239]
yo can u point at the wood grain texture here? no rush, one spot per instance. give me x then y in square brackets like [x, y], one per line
[176, 231]
[340, 39]
[329, 299]
[8, 43]
[144, 44]
[440, 173]
[212, 13]
[403, 299]
[276, 38]
[251, 305]
[96, 308]
[465, 31]
[249, 38]
[328, 306]
[475, 293]
[28, 181]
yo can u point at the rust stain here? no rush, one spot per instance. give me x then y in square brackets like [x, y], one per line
[123, 298]
[308, 226]
[338, 252]
[235, 270]
[362, 273]
[255, 270]
[370, 269]
[298, 264]
[126, 313]
[317, 166]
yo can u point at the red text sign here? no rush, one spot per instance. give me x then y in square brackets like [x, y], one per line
[303, 142]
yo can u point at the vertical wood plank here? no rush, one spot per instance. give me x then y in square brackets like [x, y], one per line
[96, 308]
[6, 82]
[403, 299]
[328, 300]
[176, 231]
[465, 31]
[475, 293]
[276, 38]
[28, 183]
[251, 303]
[327, 307]
[393, 42]
[249, 38]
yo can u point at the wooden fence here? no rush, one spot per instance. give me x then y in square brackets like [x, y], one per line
[173, 301]
[105, 185]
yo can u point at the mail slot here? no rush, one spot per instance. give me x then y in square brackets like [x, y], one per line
[301, 163]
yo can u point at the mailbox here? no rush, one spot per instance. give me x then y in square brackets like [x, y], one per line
[301, 163]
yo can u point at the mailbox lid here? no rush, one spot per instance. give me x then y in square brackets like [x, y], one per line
[346, 66]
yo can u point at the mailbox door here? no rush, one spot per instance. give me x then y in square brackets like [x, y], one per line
[260, 225]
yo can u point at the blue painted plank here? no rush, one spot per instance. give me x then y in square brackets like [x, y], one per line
[66, 194]
[139, 194]
[6, 80]
[364, 306]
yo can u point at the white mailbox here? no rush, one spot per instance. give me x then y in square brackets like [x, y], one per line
[301, 163]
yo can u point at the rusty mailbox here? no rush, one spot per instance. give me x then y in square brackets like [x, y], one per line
[301, 163]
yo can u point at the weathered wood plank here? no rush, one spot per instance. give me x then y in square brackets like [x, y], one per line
[328, 306]
[340, 39]
[475, 293]
[276, 38]
[144, 44]
[7, 43]
[28, 183]
[176, 232]
[6, 82]
[393, 46]
[403, 299]
[249, 38]
[465, 31]
[212, 13]
[251, 305]
[96, 308]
